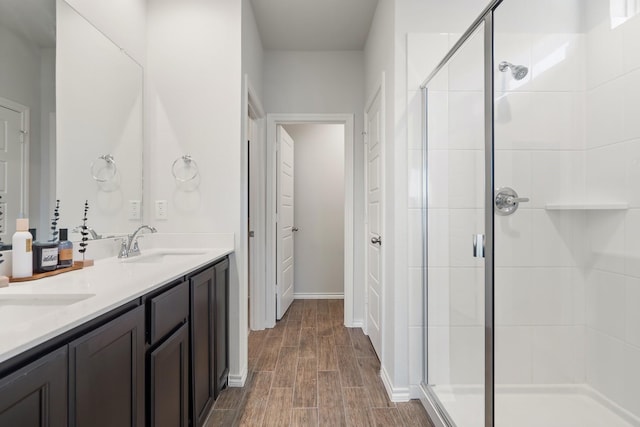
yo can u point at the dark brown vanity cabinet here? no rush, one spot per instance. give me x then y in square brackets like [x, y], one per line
[222, 325]
[106, 374]
[168, 358]
[36, 395]
[209, 338]
[159, 360]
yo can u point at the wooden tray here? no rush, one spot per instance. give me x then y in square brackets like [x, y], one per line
[77, 265]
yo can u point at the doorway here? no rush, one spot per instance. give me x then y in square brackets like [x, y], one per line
[319, 210]
[14, 159]
[273, 121]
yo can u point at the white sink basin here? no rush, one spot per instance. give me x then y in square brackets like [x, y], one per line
[165, 256]
[29, 306]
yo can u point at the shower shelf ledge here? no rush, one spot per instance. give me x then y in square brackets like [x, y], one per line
[579, 206]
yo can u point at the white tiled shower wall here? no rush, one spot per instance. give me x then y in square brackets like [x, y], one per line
[612, 269]
[539, 152]
[567, 282]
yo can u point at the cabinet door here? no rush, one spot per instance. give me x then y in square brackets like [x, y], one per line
[202, 345]
[221, 323]
[169, 381]
[106, 374]
[36, 395]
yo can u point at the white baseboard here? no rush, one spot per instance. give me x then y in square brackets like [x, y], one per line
[238, 380]
[318, 296]
[396, 394]
[415, 391]
[357, 323]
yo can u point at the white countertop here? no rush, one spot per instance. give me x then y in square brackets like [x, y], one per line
[48, 307]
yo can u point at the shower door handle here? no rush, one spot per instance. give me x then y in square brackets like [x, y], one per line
[478, 245]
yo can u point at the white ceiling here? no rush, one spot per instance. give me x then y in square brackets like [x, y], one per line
[314, 24]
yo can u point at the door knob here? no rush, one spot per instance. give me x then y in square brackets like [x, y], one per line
[376, 240]
[507, 201]
[295, 229]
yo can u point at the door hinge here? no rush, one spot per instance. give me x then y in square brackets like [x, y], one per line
[23, 133]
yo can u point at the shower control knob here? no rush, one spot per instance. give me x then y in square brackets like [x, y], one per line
[507, 201]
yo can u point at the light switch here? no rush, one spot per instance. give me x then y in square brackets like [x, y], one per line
[134, 209]
[161, 209]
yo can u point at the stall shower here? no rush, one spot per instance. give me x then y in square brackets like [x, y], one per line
[532, 218]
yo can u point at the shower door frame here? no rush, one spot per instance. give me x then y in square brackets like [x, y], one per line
[434, 407]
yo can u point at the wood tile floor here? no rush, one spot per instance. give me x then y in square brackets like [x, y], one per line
[312, 371]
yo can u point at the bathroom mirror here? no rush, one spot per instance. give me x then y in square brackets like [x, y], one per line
[100, 128]
[68, 95]
[27, 112]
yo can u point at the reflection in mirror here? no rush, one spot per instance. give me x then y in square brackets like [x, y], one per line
[27, 112]
[100, 128]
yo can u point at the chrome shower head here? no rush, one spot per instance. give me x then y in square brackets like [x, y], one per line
[518, 71]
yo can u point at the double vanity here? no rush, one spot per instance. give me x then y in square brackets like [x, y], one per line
[126, 342]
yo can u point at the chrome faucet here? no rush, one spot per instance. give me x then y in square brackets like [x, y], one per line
[91, 231]
[130, 246]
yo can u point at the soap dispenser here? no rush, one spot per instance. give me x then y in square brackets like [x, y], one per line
[65, 250]
[22, 259]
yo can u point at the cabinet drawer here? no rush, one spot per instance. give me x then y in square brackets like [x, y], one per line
[168, 310]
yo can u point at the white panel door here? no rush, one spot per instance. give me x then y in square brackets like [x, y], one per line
[12, 170]
[374, 222]
[284, 226]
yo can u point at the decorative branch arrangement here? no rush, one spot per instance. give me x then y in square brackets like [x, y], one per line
[54, 222]
[84, 232]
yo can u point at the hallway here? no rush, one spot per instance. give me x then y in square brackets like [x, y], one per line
[312, 371]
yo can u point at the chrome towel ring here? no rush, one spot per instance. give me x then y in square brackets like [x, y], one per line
[184, 169]
[104, 168]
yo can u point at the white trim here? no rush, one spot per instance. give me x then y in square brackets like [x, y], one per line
[258, 304]
[254, 104]
[357, 324]
[238, 380]
[277, 119]
[398, 394]
[317, 296]
[415, 391]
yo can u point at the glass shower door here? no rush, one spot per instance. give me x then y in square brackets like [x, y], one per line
[455, 365]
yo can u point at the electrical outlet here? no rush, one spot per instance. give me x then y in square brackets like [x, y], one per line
[134, 209]
[161, 209]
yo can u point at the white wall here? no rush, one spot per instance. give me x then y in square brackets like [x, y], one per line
[193, 106]
[47, 168]
[122, 21]
[319, 209]
[324, 82]
[379, 59]
[252, 51]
